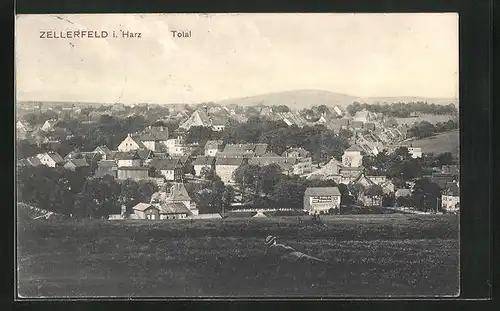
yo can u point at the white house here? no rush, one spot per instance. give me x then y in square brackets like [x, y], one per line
[129, 160]
[48, 126]
[225, 167]
[352, 157]
[169, 168]
[51, 159]
[212, 147]
[321, 199]
[415, 152]
[175, 147]
[131, 143]
[203, 162]
[450, 198]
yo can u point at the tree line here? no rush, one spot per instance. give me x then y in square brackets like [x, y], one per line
[76, 194]
[426, 129]
[403, 110]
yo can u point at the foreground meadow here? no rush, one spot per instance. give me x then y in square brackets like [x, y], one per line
[370, 255]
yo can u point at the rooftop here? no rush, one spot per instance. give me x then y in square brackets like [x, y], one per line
[317, 191]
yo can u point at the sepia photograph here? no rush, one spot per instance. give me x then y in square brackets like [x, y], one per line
[265, 155]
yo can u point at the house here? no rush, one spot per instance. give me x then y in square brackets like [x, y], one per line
[356, 125]
[132, 172]
[175, 146]
[225, 167]
[442, 179]
[129, 159]
[218, 124]
[391, 123]
[198, 118]
[415, 152]
[75, 164]
[177, 194]
[352, 156]
[296, 153]
[131, 143]
[321, 199]
[146, 211]
[212, 147]
[32, 161]
[450, 198]
[256, 150]
[106, 167]
[338, 111]
[169, 168]
[48, 126]
[23, 130]
[370, 126]
[302, 166]
[51, 159]
[402, 193]
[203, 162]
[453, 170]
[154, 138]
[103, 150]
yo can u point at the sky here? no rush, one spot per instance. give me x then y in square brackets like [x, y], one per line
[235, 55]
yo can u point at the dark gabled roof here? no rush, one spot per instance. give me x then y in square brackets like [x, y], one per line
[55, 157]
[133, 168]
[80, 162]
[145, 154]
[143, 206]
[33, 161]
[128, 156]
[204, 160]
[301, 151]
[224, 154]
[260, 149]
[147, 137]
[229, 161]
[173, 208]
[322, 191]
[137, 140]
[107, 163]
[165, 164]
[103, 148]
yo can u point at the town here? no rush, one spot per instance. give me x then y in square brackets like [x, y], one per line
[209, 161]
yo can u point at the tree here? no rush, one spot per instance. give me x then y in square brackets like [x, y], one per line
[268, 177]
[445, 159]
[129, 194]
[425, 194]
[98, 198]
[357, 190]
[228, 197]
[289, 194]
[374, 191]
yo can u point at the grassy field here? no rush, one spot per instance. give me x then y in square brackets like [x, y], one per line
[370, 255]
[443, 142]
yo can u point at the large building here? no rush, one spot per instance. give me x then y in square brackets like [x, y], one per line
[319, 200]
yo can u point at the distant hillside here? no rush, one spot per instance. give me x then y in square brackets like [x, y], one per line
[300, 99]
[443, 142]
[297, 99]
